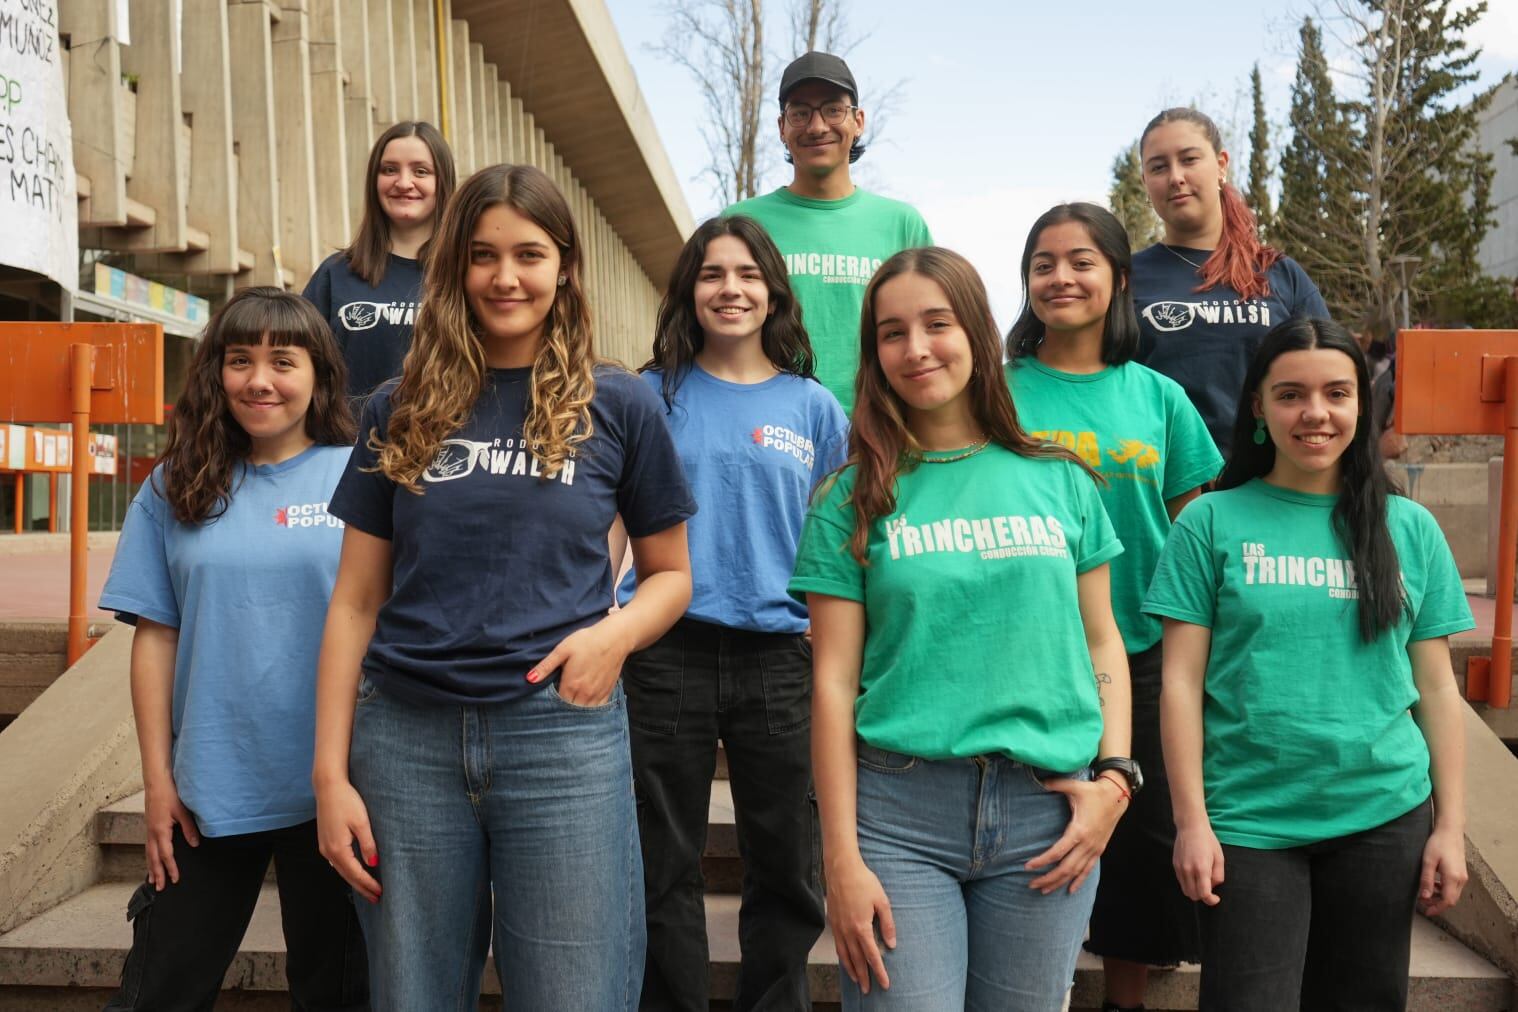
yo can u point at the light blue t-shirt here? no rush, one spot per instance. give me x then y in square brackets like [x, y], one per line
[752, 453]
[248, 592]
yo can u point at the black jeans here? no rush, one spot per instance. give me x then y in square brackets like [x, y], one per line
[753, 690]
[184, 938]
[1319, 927]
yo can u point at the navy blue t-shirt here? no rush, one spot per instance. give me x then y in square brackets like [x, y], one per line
[372, 324]
[493, 564]
[1205, 340]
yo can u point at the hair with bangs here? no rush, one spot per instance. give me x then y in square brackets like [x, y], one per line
[1241, 260]
[1120, 331]
[202, 460]
[1359, 517]
[881, 444]
[678, 337]
[369, 254]
[445, 369]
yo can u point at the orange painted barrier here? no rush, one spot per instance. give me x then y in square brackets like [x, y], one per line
[110, 373]
[1465, 383]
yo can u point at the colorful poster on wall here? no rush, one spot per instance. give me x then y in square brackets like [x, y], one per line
[38, 202]
[118, 284]
[102, 453]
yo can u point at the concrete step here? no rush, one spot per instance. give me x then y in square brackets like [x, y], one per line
[81, 944]
[120, 831]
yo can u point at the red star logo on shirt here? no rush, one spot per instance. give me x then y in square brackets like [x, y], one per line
[758, 435]
[282, 518]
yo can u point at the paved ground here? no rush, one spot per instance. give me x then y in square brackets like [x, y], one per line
[34, 575]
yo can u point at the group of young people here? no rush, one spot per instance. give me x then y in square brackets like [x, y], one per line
[993, 640]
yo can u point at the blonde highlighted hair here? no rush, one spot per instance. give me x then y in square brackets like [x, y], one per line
[444, 371]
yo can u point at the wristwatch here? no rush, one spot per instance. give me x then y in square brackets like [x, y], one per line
[1122, 764]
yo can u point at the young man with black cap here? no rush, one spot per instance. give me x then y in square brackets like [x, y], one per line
[833, 234]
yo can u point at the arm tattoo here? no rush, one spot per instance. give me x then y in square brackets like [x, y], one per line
[1102, 678]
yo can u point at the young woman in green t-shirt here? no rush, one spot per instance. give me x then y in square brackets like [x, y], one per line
[1074, 382]
[967, 668]
[1309, 709]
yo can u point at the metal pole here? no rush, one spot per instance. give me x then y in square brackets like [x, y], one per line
[81, 370]
[1499, 689]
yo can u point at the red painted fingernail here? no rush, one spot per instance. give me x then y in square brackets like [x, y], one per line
[374, 860]
[533, 676]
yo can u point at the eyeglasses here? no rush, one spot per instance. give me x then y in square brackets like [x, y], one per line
[799, 115]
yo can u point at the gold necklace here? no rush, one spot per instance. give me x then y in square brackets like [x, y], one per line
[968, 451]
[1190, 263]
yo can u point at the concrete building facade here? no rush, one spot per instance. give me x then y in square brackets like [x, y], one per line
[1498, 254]
[222, 143]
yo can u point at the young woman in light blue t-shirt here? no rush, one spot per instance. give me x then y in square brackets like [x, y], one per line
[755, 431]
[1311, 723]
[225, 566]
[1074, 382]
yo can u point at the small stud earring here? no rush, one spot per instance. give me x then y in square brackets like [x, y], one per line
[563, 279]
[1259, 432]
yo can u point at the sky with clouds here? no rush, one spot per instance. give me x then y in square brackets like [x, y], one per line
[1004, 109]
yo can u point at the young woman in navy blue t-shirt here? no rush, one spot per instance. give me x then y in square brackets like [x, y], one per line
[483, 780]
[368, 292]
[1211, 290]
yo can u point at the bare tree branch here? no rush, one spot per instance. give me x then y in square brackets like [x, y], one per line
[721, 44]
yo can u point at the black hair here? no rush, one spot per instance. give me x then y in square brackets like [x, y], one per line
[206, 446]
[1359, 517]
[678, 337]
[1120, 333]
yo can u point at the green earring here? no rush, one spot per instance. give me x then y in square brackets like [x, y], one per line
[1259, 432]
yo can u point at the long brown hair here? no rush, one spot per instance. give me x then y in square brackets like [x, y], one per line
[206, 446]
[1241, 260]
[678, 337]
[370, 252]
[881, 446]
[445, 369]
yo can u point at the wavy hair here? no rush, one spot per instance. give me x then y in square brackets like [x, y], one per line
[1359, 516]
[1240, 260]
[678, 337]
[445, 369]
[369, 254]
[206, 447]
[1120, 331]
[881, 444]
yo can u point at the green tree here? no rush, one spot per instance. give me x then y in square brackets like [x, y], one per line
[1259, 154]
[1318, 217]
[1129, 200]
[1404, 190]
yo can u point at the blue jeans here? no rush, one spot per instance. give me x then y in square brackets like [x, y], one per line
[514, 816]
[948, 841]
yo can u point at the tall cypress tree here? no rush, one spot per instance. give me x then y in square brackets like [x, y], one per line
[1319, 214]
[1130, 201]
[1394, 174]
[1259, 155]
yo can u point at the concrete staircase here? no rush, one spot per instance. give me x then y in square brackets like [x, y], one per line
[70, 956]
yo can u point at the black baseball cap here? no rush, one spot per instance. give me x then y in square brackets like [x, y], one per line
[818, 67]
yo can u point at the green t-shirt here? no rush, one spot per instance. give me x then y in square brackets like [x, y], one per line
[974, 643]
[832, 249]
[1139, 431]
[1307, 733]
